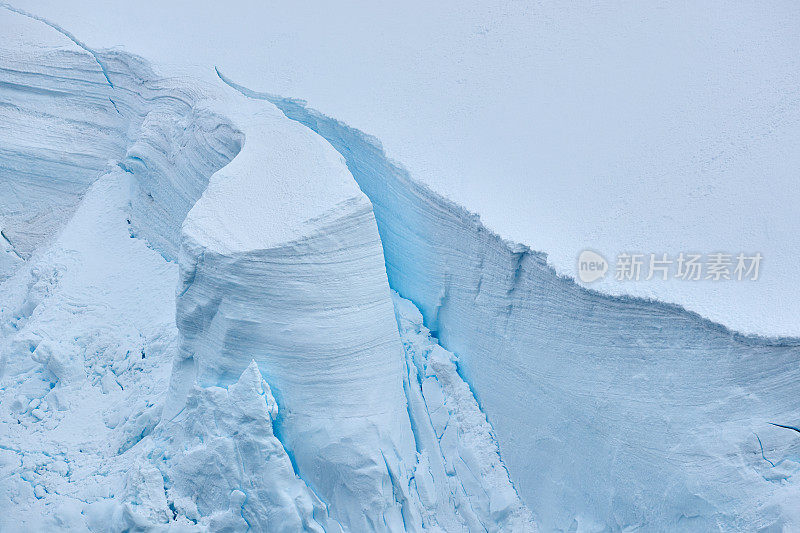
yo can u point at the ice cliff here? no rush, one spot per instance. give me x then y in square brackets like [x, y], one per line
[221, 310]
[589, 395]
[262, 384]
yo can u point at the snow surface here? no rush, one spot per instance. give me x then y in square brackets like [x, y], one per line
[638, 127]
[226, 311]
[279, 188]
[88, 335]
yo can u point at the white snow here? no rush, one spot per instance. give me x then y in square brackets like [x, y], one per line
[86, 347]
[612, 126]
[277, 189]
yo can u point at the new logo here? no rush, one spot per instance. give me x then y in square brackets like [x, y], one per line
[591, 266]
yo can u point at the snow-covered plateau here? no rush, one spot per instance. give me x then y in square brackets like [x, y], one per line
[221, 310]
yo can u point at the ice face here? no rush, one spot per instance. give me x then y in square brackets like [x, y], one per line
[95, 183]
[588, 394]
[55, 97]
[259, 488]
[460, 478]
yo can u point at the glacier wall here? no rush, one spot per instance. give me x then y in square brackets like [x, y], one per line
[175, 143]
[178, 142]
[100, 160]
[325, 402]
[610, 412]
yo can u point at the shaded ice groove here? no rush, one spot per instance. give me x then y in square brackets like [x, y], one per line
[462, 482]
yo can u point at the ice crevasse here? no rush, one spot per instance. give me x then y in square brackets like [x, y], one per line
[348, 350]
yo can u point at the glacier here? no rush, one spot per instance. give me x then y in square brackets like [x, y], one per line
[605, 389]
[222, 310]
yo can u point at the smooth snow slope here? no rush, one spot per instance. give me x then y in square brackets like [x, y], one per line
[641, 127]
